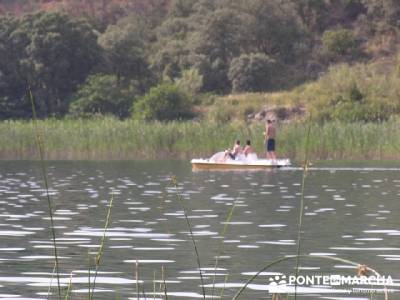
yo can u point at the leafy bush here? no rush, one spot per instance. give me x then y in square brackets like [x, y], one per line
[164, 102]
[339, 42]
[251, 72]
[103, 94]
[50, 52]
[190, 82]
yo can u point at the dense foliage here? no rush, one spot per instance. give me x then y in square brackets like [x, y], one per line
[252, 72]
[102, 95]
[96, 56]
[49, 53]
[164, 102]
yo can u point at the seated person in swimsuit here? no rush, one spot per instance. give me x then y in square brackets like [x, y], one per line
[247, 149]
[235, 151]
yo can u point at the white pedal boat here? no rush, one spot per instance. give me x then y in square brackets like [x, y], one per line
[219, 162]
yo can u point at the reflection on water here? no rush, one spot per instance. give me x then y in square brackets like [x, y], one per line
[352, 213]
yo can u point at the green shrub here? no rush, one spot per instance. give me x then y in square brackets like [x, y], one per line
[251, 72]
[103, 94]
[190, 82]
[339, 42]
[164, 103]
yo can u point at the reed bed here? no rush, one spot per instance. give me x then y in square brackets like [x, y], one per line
[111, 139]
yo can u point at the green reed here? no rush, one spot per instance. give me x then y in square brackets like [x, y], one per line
[164, 283]
[221, 245]
[101, 249]
[192, 238]
[112, 139]
[301, 209]
[40, 148]
[69, 288]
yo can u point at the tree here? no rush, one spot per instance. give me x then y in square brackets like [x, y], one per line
[165, 102]
[53, 54]
[313, 13]
[191, 82]
[181, 8]
[386, 13]
[273, 28]
[215, 45]
[124, 46]
[102, 94]
[14, 102]
[170, 57]
[252, 73]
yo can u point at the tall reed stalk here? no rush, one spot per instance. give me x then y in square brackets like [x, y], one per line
[51, 281]
[101, 248]
[69, 288]
[221, 245]
[175, 184]
[40, 148]
[137, 279]
[301, 209]
[164, 283]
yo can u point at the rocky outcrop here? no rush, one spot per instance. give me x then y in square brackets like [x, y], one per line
[278, 113]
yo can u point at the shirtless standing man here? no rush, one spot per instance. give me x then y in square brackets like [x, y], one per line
[269, 140]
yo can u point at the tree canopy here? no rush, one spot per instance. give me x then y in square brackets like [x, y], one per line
[64, 51]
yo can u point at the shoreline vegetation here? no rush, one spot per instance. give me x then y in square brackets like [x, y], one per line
[113, 139]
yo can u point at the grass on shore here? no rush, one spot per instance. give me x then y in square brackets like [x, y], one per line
[111, 139]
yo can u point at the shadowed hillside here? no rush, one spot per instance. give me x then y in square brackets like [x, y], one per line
[170, 59]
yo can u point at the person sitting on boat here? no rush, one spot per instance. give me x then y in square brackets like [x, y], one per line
[247, 149]
[237, 149]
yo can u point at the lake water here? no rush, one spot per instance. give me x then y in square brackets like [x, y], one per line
[351, 213]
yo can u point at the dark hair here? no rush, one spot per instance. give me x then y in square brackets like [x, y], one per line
[269, 121]
[248, 142]
[237, 142]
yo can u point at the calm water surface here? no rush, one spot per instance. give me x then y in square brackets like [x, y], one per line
[352, 213]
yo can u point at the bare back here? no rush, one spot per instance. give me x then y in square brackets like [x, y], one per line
[236, 149]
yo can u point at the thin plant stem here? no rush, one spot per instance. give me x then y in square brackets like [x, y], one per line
[101, 248]
[175, 183]
[51, 281]
[154, 285]
[301, 210]
[40, 146]
[143, 293]
[164, 283]
[137, 279]
[69, 288]
[221, 245]
[89, 274]
[221, 296]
